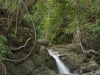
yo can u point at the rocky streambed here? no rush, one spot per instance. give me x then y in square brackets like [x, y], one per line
[40, 62]
[76, 60]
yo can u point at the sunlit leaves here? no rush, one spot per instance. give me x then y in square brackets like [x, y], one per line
[53, 14]
[46, 15]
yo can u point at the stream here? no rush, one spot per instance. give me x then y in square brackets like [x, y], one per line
[62, 68]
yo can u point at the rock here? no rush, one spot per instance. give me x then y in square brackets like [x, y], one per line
[96, 72]
[27, 67]
[37, 60]
[42, 42]
[88, 67]
[73, 53]
[74, 60]
[36, 49]
[24, 68]
[75, 48]
[43, 51]
[43, 71]
[91, 74]
[46, 57]
[17, 55]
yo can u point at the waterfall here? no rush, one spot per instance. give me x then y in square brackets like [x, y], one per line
[62, 69]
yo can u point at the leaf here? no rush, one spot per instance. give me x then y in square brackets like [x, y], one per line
[2, 39]
[98, 22]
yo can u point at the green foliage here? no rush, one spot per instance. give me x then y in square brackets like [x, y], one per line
[98, 11]
[10, 5]
[2, 39]
[46, 16]
[27, 17]
[70, 29]
[58, 18]
[3, 48]
[92, 29]
[20, 40]
[13, 30]
[98, 22]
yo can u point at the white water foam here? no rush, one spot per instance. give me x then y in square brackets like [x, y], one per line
[62, 69]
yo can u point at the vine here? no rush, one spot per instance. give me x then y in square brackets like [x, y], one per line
[4, 39]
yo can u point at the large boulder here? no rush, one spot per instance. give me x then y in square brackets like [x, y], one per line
[43, 58]
[46, 57]
[73, 53]
[96, 72]
[43, 71]
[36, 49]
[37, 60]
[89, 67]
[42, 42]
[24, 68]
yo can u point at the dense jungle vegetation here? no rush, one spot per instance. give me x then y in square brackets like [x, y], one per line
[58, 21]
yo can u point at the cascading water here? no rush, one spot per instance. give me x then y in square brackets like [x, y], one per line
[62, 69]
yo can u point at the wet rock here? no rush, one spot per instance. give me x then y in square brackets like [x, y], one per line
[88, 67]
[97, 72]
[73, 53]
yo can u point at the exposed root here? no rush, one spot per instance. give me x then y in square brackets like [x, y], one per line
[24, 46]
[92, 58]
[92, 51]
[3, 69]
[25, 43]
[21, 46]
[9, 22]
[77, 39]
